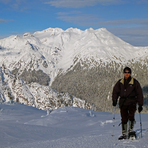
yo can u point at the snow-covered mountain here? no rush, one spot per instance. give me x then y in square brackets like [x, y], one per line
[14, 89]
[85, 64]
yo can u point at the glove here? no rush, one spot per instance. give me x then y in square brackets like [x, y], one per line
[114, 102]
[140, 108]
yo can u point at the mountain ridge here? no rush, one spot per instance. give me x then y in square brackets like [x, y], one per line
[62, 59]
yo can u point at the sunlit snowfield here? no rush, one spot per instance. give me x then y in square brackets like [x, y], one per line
[22, 126]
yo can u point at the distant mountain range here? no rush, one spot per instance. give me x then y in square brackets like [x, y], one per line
[53, 68]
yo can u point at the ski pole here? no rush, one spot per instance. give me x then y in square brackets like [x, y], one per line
[140, 124]
[113, 121]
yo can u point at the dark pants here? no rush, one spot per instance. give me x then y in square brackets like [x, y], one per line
[127, 113]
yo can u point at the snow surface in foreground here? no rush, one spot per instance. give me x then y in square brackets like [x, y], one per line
[69, 127]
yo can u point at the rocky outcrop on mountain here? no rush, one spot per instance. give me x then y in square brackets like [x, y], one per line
[34, 94]
[34, 76]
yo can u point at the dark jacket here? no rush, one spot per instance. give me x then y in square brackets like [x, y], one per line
[131, 93]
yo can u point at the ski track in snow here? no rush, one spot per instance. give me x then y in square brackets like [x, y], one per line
[68, 127]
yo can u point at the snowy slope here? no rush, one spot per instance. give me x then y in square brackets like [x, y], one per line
[23, 127]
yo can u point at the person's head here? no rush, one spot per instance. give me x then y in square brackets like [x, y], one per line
[127, 72]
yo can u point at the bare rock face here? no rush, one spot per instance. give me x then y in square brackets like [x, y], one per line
[34, 76]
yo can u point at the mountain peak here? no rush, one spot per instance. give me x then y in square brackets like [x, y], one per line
[64, 46]
[50, 30]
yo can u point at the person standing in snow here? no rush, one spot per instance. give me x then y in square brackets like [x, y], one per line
[130, 93]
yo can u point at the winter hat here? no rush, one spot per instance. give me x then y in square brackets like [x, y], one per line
[128, 69]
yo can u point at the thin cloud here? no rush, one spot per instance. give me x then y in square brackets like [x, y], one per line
[5, 1]
[81, 19]
[124, 22]
[142, 1]
[68, 13]
[3, 21]
[94, 20]
[81, 3]
[137, 36]
[16, 4]
[130, 31]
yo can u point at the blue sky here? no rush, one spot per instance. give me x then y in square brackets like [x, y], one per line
[127, 19]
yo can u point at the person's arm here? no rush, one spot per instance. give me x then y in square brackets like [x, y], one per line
[139, 96]
[116, 93]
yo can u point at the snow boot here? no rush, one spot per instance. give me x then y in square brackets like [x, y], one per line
[124, 132]
[131, 125]
[131, 134]
[122, 137]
